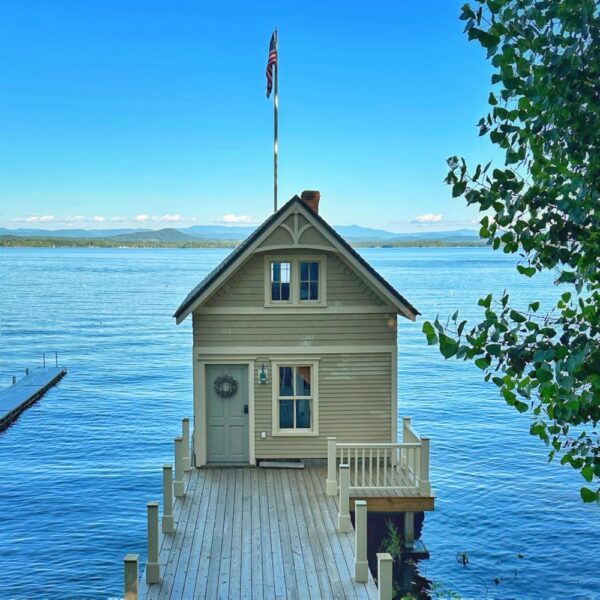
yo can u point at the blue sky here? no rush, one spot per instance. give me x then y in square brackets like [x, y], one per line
[154, 113]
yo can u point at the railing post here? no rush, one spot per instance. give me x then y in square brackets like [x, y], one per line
[424, 484]
[344, 522]
[185, 434]
[131, 576]
[167, 520]
[384, 575]
[331, 483]
[405, 439]
[361, 566]
[178, 484]
[409, 529]
[152, 566]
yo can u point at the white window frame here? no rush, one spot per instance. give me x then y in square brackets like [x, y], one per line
[294, 300]
[296, 362]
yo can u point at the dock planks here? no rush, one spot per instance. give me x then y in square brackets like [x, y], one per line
[256, 533]
[21, 395]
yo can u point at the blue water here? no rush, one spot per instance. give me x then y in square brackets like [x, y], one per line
[77, 469]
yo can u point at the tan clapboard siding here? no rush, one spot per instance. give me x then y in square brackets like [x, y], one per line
[272, 329]
[247, 286]
[354, 405]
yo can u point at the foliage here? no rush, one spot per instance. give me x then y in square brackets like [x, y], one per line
[393, 540]
[543, 204]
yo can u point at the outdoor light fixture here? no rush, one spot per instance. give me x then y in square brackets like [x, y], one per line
[262, 375]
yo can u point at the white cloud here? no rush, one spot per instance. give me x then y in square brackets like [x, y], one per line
[35, 219]
[427, 218]
[77, 219]
[99, 219]
[142, 218]
[230, 219]
[168, 219]
[117, 219]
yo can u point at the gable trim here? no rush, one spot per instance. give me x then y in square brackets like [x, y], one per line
[294, 206]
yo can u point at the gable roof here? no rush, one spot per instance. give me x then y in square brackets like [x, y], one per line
[195, 297]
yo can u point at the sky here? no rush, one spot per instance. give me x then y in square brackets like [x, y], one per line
[154, 114]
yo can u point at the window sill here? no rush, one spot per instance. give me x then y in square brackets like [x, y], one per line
[292, 433]
[301, 305]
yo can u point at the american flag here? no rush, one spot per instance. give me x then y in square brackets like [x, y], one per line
[272, 61]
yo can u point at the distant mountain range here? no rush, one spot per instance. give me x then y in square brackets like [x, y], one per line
[352, 233]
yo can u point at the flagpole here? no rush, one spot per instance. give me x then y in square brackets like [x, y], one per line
[275, 123]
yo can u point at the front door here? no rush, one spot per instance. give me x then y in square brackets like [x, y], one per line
[227, 414]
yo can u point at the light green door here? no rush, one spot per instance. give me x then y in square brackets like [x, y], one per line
[227, 414]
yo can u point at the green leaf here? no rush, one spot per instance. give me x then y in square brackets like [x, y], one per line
[458, 188]
[483, 363]
[448, 346]
[517, 317]
[430, 334]
[588, 473]
[588, 495]
[527, 271]
[485, 302]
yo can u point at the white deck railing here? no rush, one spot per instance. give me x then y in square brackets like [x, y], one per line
[398, 467]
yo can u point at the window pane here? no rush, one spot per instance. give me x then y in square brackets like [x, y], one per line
[302, 381]
[314, 271]
[285, 272]
[314, 291]
[303, 414]
[303, 290]
[286, 414]
[275, 271]
[304, 271]
[285, 291]
[286, 383]
[275, 291]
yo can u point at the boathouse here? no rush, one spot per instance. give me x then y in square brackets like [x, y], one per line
[295, 341]
[295, 427]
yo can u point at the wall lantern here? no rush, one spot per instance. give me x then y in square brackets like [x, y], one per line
[262, 375]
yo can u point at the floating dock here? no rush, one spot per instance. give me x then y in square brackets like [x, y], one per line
[25, 392]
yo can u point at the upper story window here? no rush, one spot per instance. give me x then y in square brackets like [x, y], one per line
[281, 281]
[295, 281]
[309, 280]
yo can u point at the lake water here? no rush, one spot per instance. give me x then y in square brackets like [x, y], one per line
[77, 469]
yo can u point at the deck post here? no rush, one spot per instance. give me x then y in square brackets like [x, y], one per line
[131, 576]
[178, 484]
[384, 575]
[361, 566]
[152, 566]
[167, 520]
[185, 434]
[409, 529]
[331, 483]
[344, 522]
[404, 455]
[424, 483]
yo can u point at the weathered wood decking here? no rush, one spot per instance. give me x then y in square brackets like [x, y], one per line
[256, 533]
[22, 394]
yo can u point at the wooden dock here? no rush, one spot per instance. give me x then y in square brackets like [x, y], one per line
[256, 533]
[22, 394]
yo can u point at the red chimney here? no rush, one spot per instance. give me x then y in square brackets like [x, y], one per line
[311, 199]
